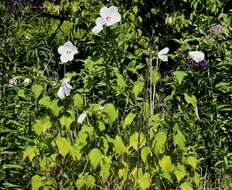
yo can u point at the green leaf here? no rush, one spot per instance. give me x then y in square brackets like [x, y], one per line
[137, 141]
[128, 120]
[144, 181]
[75, 152]
[138, 87]
[155, 76]
[105, 168]
[55, 108]
[192, 161]
[36, 182]
[166, 164]
[85, 179]
[120, 81]
[186, 186]
[78, 101]
[179, 140]
[119, 146]
[63, 145]
[29, 152]
[196, 178]
[111, 112]
[37, 89]
[21, 93]
[95, 156]
[66, 121]
[192, 100]
[180, 76]
[179, 172]
[90, 181]
[146, 150]
[159, 142]
[45, 101]
[42, 125]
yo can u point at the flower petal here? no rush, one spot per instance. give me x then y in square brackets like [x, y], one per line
[104, 12]
[64, 58]
[96, 29]
[81, 118]
[100, 21]
[197, 56]
[61, 93]
[61, 49]
[163, 51]
[163, 57]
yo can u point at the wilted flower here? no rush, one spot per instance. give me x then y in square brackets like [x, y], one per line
[218, 30]
[64, 89]
[197, 56]
[12, 81]
[26, 81]
[109, 16]
[81, 118]
[162, 55]
[67, 51]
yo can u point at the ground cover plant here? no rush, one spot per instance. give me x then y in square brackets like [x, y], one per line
[115, 94]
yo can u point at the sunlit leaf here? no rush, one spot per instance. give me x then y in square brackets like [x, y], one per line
[119, 146]
[166, 164]
[192, 161]
[146, 150]
[159, 142]
[137, 140]
[128, 120]
[42, 125]
[186, 186]
[37, 89]
[36, 182]
[95, 156]
[78, 101]
[144, 181]
[179, 172]
[63, 145]
[180, 76]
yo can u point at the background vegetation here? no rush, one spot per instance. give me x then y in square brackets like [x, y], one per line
[161, 125]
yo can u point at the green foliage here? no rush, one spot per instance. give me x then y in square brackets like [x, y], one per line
[149, 124]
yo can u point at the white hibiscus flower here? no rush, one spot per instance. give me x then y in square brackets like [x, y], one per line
[64, 89]
[109, 16]
[81, 118]
[162, 54]
[67, 52]
[197, 56]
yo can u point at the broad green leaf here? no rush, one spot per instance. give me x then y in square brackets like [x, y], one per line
[179, 140]
[166, 164]
[78, 101]
[144, 181]
[90, 181]
[138, 87]
[66, 121]
[21, 93]
[37, 89]
[120, 81]
[95, 156]
[45, 101]
[159, 142]
[29, 152]
[186, 186]
[179, 172]
[63, 145]
[192, 100]
[128, 120]
[192, 161]
[137, 140]
[196, 178]
[75, 152]
[180, 76]
[55, 108]
[119, 146]
[155, 76]
[112, 113]
[105, 168]
[42, 125]
[36, 182]
[146, 150]
[123, 173]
